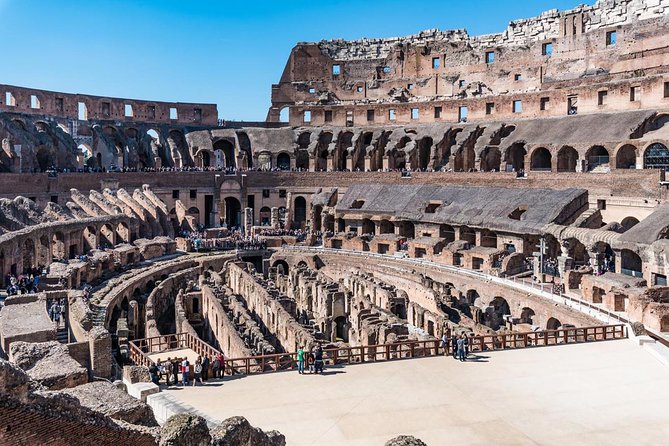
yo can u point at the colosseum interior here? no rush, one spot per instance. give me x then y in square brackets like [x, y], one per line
[402, 194]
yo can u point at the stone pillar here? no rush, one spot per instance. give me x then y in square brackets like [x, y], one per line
[330, 163]
[349, 162]
[248, 220]
[100, 348]
[368, 162]
[386, 162]
[312, 163]
[274, 217]
[289, 211]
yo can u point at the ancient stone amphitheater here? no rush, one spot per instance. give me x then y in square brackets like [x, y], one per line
[509, 187]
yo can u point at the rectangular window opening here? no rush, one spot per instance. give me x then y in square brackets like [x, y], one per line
[360, 89]
[82, 111]
[490, 108]
[370, 115]
[611, 38]
[193, 194]
[666, 89]
[34, 102]
[517, 106]
[517, 77]
[392, 114]
[409, 86]
[307, 116]
[544, 104]
[175, 193]
[10, 100]
[415, 113]
[127, 110]
[435, 63]
[547, 49]
[489, 57]
[635, 94]
[312, 90]
[601, 97]
[328, 115]
[173, 114]
[463, 112]
[437, 112]
[336, 70]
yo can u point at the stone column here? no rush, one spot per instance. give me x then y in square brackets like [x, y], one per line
[100, 349]
[330, 163]
[312, 163]
[248, 220]
[289, 211]
[368, 162]
[274, 217]
[386, 162]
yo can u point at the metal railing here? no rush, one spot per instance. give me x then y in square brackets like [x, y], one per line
[139, 349]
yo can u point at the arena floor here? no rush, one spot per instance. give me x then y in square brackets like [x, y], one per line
[611, 393]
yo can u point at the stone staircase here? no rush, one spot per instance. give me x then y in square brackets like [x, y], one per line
[99, 315]
[62, 335]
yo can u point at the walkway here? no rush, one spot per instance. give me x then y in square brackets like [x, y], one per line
[586, 394]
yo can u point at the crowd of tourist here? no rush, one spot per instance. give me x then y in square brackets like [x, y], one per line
[313, 360]
[26, 283]
[459, 345]
[202, 370]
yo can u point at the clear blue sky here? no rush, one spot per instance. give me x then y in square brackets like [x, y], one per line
[224, 52]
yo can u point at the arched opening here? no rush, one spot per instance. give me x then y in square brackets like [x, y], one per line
[515, 157]
[491, 159]
[44, 159]
[597, 156]
[578, 252]
[447, 233]
[179, 148]
[386, 227]
[656, 156]
[85, 156]
[224, 154]
[206, 158]
[283, 161]
[90, 239]
[626, 157]
[284, 114]
[368, 226]
[628, 223]
[553, 324]
[605, 258]
[407, 229]
[464, 159]
[526, 316]
[423, 153]
[488, 239]
[300, 213]
[541, 160]
[341, 332]
[123, 232]
[233, 212]
[324, 140]
[58, 246]
[344, 143]
[630, 263]
[467, 234]
[245, 150]
[265, 161]
[265, 216]
[107, 236]
[493, 316]
[567, 159]
[281, 267]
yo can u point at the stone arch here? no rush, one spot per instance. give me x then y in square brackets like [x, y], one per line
[106, 238]
[386, 227]
[283, 161]
[656, 156]
[567, 159]
[488, 238]
[90, 238]
[281, 267]
[493, 316]
[344, 144]
[123, 232]
[597, 156]
[447, 233]
[422, 153]
[541, 160]
[626, 157]
[245, 148]
[407, 229]
[468, 234]
[491, 159]
[58, 246]
[265, 160]
[515, 157]
[321, 150]
[224, 154]
[368, 226]
[526, 316]
[178, 142]
[553, 324]
[45, 159]
[628, 223]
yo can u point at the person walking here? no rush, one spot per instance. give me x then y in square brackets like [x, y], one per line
[300, 360]
[444, 344]
[310, 362]
[461, 347]
[465, 343]
[175, 370]
[221, 370]
[454, 346]
[185, 371]
[205, 368]
[215, 366]
[318, 360]
[198, 372]
[167, 370]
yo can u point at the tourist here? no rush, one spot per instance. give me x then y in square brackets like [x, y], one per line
[318, 360]
[215, 366]
[166, 369]
[444, 343]
[153, 374]
[454, 346]
[461, 347]
[221, 370]
[62, 308]
[310, 361]
[55, 308]
[198, 372]
[205, 368]
[185, 370]
[300, 360]
[175, 370]
[465, 343]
